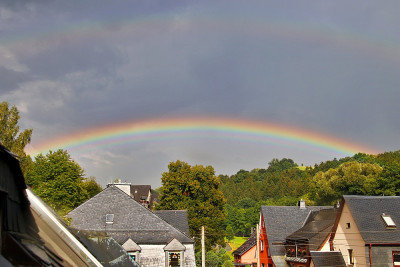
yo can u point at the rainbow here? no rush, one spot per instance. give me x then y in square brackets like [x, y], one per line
[140, 131]
[87, 31]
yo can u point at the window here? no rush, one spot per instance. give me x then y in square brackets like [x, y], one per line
[262, 245]
[351, 256]
[348, 225]
[174, 259]
[109, 218]
[396, 258]
[388, 221]
[133, 255]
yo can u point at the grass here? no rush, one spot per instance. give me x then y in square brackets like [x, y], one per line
[236, 242]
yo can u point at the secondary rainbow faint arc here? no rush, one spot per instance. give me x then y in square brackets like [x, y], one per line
[137, 131]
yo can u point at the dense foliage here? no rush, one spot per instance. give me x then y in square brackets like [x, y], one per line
[195, 189]
[60, 181]
[285, 183]
[10, 135]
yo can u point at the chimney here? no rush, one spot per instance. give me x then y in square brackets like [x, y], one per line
[126, 187]
[302, 204]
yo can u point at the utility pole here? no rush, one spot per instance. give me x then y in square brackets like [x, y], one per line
[258, 245]
[203, 249]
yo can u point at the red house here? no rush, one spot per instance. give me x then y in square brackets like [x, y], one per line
[245, 255]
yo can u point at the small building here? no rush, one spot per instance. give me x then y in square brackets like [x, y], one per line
[147, 237]
[245, 255]
[367, 230]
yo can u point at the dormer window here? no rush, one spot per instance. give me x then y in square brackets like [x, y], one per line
[109, 218]
[388, 221]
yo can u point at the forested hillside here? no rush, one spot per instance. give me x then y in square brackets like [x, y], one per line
[283, 182]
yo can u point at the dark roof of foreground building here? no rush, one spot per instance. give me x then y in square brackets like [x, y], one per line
[247, 245]
[367, 212]
[120, 216]
[327, 259]
[281, 221]
[316, 229]
[177, 218]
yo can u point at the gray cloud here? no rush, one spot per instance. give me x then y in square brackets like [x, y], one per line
[328, 66]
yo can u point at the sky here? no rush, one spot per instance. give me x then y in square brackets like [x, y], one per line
[126, 87]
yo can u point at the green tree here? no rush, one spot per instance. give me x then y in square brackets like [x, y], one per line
[91, 187]
[349, 178]
[10, 135]
[230, 233]
[59, 181]
[195, 189]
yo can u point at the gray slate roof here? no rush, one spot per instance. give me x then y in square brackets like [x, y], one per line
[131, 220]
[316, 229]
[281, 221]
[176, 218]
[327, 259]
[367, 211]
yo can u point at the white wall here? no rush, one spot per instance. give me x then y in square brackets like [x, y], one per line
[154, 256]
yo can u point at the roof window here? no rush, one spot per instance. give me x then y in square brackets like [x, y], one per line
[388, 221]
[109, 218]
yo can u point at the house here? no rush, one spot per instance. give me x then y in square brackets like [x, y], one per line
[367, 230]
[245, 255]
[327, 259]
[31, 234]
[313, 236]
[141, 193]
[276, 223]
[151, 240]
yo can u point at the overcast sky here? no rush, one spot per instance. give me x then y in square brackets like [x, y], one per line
[331, 67]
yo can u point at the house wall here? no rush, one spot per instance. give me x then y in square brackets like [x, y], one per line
[325, 246]
[381, 256]
[249, 257]
[349, 238]
[154, 256]
[265, 257]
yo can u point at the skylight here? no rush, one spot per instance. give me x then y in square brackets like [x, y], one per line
[388, 221]
[109, 218]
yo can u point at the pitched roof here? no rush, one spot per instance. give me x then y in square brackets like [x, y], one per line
[248, 244]
[140, 191]
[367, 212]
[130, 220]
[177, 218]
[316, 229]
[281, 221]
[327, 258]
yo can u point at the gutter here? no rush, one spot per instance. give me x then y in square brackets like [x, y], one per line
[64, 233]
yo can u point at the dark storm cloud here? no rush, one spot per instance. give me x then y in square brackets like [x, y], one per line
[329, 66]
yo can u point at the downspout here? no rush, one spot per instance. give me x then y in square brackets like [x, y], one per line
[370, 256]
